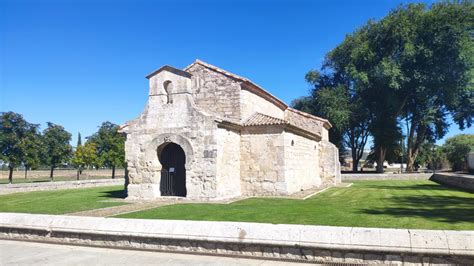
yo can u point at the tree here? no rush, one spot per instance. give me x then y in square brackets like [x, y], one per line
[435, 58]
[85, 157]
[432, 156]
[31, 146]
[415, 64]
[362, 57]
[334, 97]
[13, 129]
[79, 139]
[57, 149]
[457, 149]
[110, 146]
[77, 158]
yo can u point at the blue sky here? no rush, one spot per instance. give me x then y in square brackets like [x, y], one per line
[79, 63]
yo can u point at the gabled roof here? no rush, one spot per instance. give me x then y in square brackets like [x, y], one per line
[251, 86]
[170, 69]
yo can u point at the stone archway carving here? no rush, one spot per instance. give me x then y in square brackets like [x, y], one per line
[151, 152]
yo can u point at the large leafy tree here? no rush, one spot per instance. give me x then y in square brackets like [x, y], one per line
[31, 146]
[434, 59]
[110, 146]
[56, 147]
[457, 149]
[361, 59]
[13, 130]
[334, 96]
[413, 65]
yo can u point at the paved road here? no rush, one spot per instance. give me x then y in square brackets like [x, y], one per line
[30, 253]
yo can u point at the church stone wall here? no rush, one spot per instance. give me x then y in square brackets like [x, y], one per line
[301, 162]
[223, 160]
[181, 123]
[251, 103]
[262, 161]
[215, 93]
[228, 163]
[324, 134]
[330, 168]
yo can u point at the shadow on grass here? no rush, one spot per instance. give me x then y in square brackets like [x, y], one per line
[451, 209]
[430, 187]
[40, 181]
[115, 194]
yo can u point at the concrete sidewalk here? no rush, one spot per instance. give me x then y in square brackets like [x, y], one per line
[31, 253]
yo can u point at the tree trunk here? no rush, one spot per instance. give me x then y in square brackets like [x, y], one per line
[355, 163]
[410, 143]
[410, 160]
[10, 175]
[113, 172]
[26, 172]
[51, 173]
[381, 160]
[78, 173]
[414, 143]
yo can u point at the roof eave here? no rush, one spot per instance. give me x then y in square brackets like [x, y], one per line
[170, 69]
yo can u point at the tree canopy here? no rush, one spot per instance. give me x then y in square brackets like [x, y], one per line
[457, 149]
[13, 131]
[414, 66]
[57, 149]
[110, 145]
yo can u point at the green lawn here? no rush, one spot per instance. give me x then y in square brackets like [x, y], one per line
[61, 201]
[395, 204]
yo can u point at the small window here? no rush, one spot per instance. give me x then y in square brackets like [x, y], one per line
[292, 143]
[168, 86]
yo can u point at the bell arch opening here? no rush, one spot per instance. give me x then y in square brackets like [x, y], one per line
[173, 171]
[168, 86]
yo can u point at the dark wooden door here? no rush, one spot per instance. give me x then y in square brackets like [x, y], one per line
[173, 173]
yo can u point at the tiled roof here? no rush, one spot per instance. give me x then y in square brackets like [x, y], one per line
[294, 120]
[259, 119]
[325, 122]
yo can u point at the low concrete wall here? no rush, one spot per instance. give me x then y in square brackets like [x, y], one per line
[386, 176]
[86, 173]
[277, 241]
[462, 181]
[39, 186]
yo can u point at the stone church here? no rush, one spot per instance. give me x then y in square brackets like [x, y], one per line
[209, 134]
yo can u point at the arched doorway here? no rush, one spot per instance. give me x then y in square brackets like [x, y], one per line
[173, 172]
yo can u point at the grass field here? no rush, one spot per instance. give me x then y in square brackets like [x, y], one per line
[394, 204]
[61, 201]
